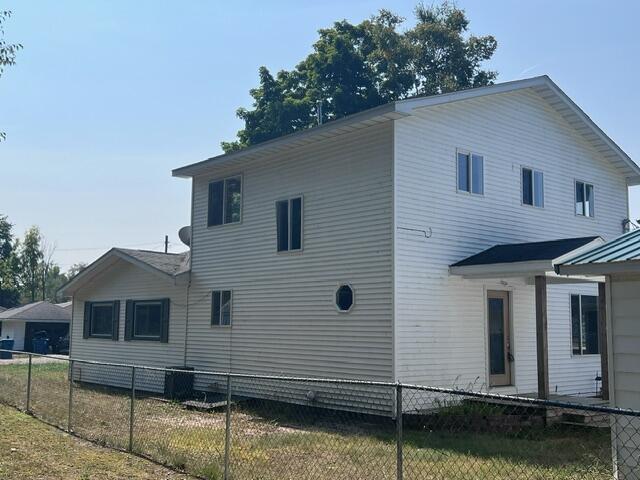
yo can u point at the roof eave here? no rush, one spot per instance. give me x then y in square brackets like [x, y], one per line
[332, 128]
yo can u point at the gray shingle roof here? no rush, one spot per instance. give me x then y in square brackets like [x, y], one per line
[169, 263]
[37, 311]
[525, 252]
[623, 248]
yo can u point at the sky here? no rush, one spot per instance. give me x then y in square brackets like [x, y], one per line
[108, 97]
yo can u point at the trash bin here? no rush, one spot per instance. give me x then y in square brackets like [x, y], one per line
[6, 344]
[40, 343]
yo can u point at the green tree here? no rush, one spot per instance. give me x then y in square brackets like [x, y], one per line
[30, 258]
[8, 51]
[356, 67]
[9, 289]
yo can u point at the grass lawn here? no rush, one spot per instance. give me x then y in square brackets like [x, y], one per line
[29, 449]
[277, 442]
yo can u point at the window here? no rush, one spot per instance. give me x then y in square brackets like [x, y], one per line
[584, 324]
[101, 319]
[344, 298]
[225, 201]
[289, 224]
[147, 320]
[470, 173]
[532, 187]
[221, 307]
[584, 199]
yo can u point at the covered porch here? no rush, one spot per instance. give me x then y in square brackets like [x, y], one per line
[534, 263]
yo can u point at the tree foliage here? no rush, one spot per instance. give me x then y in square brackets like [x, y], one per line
[9, 286]
[27, 270]
[356, 67]
[8, 51]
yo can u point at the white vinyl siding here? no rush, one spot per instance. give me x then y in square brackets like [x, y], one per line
[624, 355]
[284, 316]
[439, 318]
[123, 282]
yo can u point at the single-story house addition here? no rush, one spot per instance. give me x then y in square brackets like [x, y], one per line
[619, 261]
[21, 323]
[412, 242]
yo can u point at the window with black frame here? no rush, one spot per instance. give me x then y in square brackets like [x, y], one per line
[101, 319]
[147, 320]
[289, 224]
[225, 201]
[221, 303]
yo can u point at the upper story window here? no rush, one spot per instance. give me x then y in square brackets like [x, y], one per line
[532, 187]
[584, 324]
[221, 307]
[225, 201]
[147, 320]
[470, 173]
[289, 224]
[584, 199]
[101, 319]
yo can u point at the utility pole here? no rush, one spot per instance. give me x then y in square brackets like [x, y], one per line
[319, 109]
[166, 243]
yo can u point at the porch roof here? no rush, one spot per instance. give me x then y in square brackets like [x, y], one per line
[523, 259]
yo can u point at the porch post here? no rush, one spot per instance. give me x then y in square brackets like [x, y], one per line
[602, 339]
[542, 349]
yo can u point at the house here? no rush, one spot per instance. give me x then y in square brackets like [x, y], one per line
[21, 323]
[413, 242]
[619, 261]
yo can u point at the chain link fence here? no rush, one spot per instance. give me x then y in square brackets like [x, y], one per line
[234, 426]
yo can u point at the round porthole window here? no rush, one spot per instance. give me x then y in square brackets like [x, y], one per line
[344, 298]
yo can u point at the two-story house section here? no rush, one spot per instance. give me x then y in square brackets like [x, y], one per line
[410, 242]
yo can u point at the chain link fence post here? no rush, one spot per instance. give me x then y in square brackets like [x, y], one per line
[399, 438]
[227, 432]
[29, 384]
[71, 362]
[132, 407]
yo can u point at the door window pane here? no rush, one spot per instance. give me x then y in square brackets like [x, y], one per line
[575, 325]
[496, 336]
[584, 324]
[589, 324]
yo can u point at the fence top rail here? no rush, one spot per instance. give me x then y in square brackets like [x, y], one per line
[512, 399]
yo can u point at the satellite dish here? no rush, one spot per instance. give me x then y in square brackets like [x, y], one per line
[185, 235]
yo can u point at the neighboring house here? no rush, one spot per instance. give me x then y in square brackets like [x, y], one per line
[619, 261]
[351, 250]
[21, 323]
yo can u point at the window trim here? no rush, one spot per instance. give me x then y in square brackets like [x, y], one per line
[533, 187]
[88, 316]
[575, 198]
[165, 319]
[470, 154]
[581, 355]
[289, 251]
[224, 199]
[353, 297]
[220, 324]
